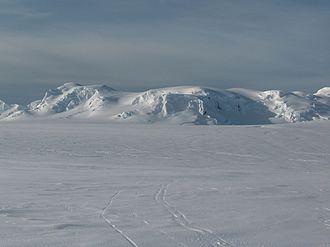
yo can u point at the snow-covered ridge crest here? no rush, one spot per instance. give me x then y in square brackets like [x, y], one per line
[69, 96]
[180, 105]
[323, 92]
[10, 112]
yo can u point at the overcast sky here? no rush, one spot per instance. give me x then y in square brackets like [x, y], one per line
[139, 44]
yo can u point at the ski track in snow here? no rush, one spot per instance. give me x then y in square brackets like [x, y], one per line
[308, 161]
[165, 233]
[182, 220]
[75, 183]
[112, 225]
[309, 153]
[227, 153]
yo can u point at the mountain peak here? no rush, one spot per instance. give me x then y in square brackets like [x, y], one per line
[69, 85]
[325, 91]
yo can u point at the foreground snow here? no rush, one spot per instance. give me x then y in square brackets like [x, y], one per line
[178, 105]
[74, 183]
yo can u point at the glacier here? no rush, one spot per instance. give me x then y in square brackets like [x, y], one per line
[176, 105]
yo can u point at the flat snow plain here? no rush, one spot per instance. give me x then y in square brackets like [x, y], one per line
[70, 183]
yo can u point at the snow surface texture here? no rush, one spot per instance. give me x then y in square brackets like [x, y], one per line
[179, 105]
[78, 183]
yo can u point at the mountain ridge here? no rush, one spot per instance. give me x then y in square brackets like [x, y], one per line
[179, 105]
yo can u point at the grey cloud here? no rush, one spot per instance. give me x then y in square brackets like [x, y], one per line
[143, 44]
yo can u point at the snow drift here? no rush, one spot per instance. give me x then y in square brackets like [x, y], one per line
[180, 105]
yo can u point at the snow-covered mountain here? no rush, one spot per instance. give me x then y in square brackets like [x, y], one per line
[181, 105]
[8, 112]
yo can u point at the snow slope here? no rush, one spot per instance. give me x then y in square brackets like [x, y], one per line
[11, 111]
[80, 183]
[181, 105]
